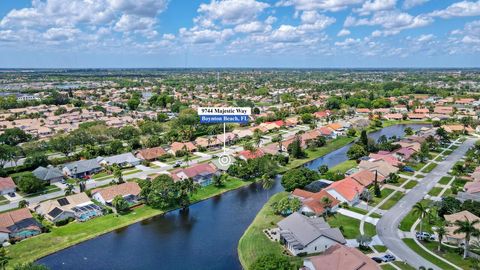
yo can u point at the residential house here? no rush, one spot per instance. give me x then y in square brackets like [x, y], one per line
[314, 204]
[201, 173]
[7, 185]
[151, 154]
[322, 114]
[179, 146]
[18, 224]
[458, 129]
[76, 206]
[443, 110]
[393, 116]
[124, 160]
[340, 257]
[48, 174]
[130, 191]
[242, 133]
[459, 238]
[208, 142]
[383, 168]
[366, 177]
[305, 235]
[404, 153]
[387, 157]
[248, 154]
[82, 168]
[362, 111]
[346, 190]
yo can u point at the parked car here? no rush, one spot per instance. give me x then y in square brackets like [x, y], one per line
[63, 181]
[11, 194]
[377, 259]
[388, 258]
[424, 236]
[177, 164]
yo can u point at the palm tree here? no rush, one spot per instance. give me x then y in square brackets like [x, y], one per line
[267, 182]
[469, 229]
[420, 210]
[69, 189]
[441, 231]
[327, 204]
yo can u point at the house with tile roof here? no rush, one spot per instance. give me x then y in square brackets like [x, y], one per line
[7, 185]
[366, 178]
[306, 235]
[313, 203]
[18, 224]
[130, 191]
[248, 154]
[347, 190]
[151, 154]
[340, 257]
[383, 168]
[180, 146]
[459, 238]
[201, 173]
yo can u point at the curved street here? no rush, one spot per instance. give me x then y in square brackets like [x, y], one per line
[387, 227]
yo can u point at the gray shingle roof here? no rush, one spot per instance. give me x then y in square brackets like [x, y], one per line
[48, 173]
[83, 166]
[118, 159]
[304, 230]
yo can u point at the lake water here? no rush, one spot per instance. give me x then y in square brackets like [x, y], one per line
[205, 237]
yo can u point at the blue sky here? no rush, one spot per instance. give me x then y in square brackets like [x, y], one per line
[239, 33]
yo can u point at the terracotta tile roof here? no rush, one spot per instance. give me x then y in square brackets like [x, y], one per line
[348, 188]
[247, 154]
[340, 257]
[151, 153]
[387, 157]
[108, 193]
[18, 220]
[7, 183]
[195, 170]
[366, 177]
[177, 146]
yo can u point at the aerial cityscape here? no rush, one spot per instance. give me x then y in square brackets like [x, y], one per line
[240, 134]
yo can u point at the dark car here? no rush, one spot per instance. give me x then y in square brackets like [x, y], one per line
[377, 259]
[11, 194]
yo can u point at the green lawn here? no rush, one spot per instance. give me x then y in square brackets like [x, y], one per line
[387, 267]
[363, 212]
[254, 243]
[385, 193]
[392, 201]
[319, 152]
[412, 245]
[447, 152]
[344, 166]
[48, 189]
[380, 248]
[419, 176]
[350, 226]
[435, 191]
[416, 166]
[408, 221]
[429, 167]
[450, 254]
[211, 190]
[445, 180]
[410, 184]
[132, 172]
[400, 182]
[403, 265]
[100, 175]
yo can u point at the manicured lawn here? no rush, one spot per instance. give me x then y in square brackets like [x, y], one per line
[392, 201]
[450, 254]
[416, 166]
[447, 152]
[419, 176]
[408, 221]
[429, 167]
[131, 172]
[48, 189]
[380, 248]
[319, 152]
[439, 158]
[403, 265]
[254, 243]
[344, 166]
[435, 191]
[350, 226]
[100, 175]
[363, 212]
[445, 180]
[410, 184]
[400, 182]
[412, 245]
[211, 190]
[459, 183]
[385, 193]
[387, 267]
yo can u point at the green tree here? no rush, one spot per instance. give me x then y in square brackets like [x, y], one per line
[69, 190]
[217, 180]
[351, 132]
[295, 148]
[408, 131]
[356, 151]
[469, 228]
[133, 103]
[363, 240]
[120, 204]
[420, 210]
[30, 266]
[322, 169]
[14, 136]
[424, 152]
[441, 232]
[22, 204]
[3, 258]
[28, 183]
[298, 178]
[272, 262]
[363, 138]
[307, 118]
[63, 144]
[286, 206]
[36, 160]
[117, 174]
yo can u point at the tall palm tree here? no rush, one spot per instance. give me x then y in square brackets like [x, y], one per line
[420, 210]
[267, 182]
[69, 189]
[327, 204]
[469, 229]
[441, 232]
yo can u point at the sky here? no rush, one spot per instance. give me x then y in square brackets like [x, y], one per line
[239, 33]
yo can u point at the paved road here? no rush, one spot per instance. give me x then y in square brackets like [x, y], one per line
[387, 227]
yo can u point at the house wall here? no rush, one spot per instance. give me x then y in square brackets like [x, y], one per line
[6, 191]
[319, 245]
[99, 198]
[3, 237]
[64, 215]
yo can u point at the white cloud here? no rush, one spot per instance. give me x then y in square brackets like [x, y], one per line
[343, 32]
[251, 27]
[232, 11]
[143, 8]
[330, 5]
[205, 35]
[376, 5]
[408, 4]
[128, 23]
[425, 38]
[459, 9]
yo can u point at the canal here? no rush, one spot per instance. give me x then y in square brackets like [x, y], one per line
[204, 237]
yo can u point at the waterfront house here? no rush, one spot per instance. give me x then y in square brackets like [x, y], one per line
[151, 154]
[366, 177]
[76, 206]
[314, 203]
[201, 173]
[340, 257]
[7, 185]
[82, 168]
[306, 235]
[130, 191]
[383, 168]
[124, 160]
[179, 146]
[48, 174]
[18, 224]
[346, 190]
[248, 154]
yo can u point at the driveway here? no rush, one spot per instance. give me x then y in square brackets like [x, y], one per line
[387, 226]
